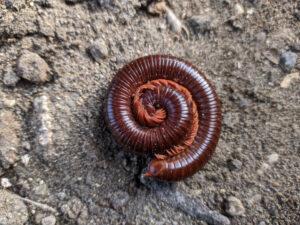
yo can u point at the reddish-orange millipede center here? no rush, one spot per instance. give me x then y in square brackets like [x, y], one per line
[149, 115]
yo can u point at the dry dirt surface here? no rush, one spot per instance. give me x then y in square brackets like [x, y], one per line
[58, 161]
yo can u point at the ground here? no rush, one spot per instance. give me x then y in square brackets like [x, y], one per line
[57, 156]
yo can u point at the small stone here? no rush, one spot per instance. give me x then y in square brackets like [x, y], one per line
[262, 223]
[234, 206]
[73, 208]
[9, 140]
[9, 103]
[26, 145]
[238, 9]
[98, 50]
[25, 159]
[49, 220]
[288, 79]
[10, 78]
[5, 183]
[235, 164]
[13, 211]
[288, 60]
[202, 24]
[11, 4]
[119, 199]
[273, 158]
[41, 189]
[33, 68]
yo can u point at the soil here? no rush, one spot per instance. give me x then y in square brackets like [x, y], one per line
[56, 149]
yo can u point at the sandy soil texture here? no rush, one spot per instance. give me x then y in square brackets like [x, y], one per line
[58, 161]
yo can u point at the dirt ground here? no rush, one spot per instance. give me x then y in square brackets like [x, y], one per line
[58, 161]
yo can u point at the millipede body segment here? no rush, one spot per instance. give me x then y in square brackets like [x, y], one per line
[165, 107]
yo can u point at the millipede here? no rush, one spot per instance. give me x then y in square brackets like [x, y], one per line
[164, 107]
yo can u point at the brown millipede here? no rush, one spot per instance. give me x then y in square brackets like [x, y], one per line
[166, 107]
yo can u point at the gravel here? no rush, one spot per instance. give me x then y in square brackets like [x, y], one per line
[98, 50]
[33, 68]
[49, 220]
[10, 78]
[234, 206]
[74, 209]
[202, 24]
[235, 164]
[119, 199]
[12, 210]
[5, 183]
[9, 140]
[288, 60]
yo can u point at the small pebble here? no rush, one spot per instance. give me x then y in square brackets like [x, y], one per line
[238, 9]
[202, 24]
[288, 60]
[262, 223]
[234, 206]
[98, 50]
[273, 158]
[235, 165]
[33, 68]
[49, 220]
[72, 208]
[289, 79]
[119, 199]
[25, 159]
[5, 183]
[10, 78]
[9, 103]
[13, 211]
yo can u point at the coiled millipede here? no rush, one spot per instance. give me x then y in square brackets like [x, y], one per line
[165, 107]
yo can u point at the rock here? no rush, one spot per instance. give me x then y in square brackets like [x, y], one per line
[5, 183]
[75, 209]
[262, 223]
[40, 189]
[234, 206]
[49, 220]
[289, 79]
[33, 68]
[235, 164]
[238, 9]
[10, 78]
[119, 199]
[9, 140]
[288, 60]
[15, 5]
[13, 211]
[202, 24]
[273, 158]
[42, 123]
[98, 50]
[9, 103]
[25, 159]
